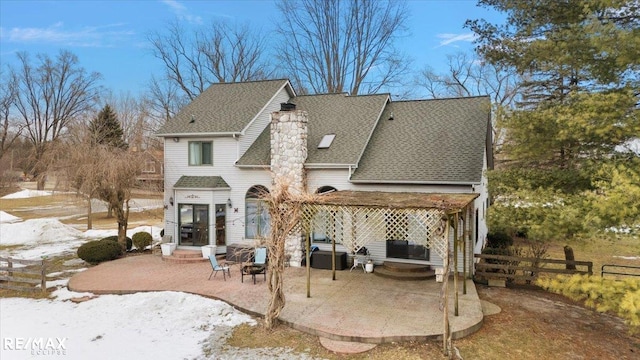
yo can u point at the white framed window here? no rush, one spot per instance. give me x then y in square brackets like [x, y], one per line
[149, 166]
[200, 153]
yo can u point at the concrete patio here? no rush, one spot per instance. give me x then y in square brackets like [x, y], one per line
[356, 307]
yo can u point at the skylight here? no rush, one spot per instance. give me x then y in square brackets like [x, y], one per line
[326, 141]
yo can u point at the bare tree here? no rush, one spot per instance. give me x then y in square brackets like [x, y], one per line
[100, 171]
[337, 46]
[80, 166]
[220, 53]
[466, 76]
[164, 100]
[52, 94]
[10, 130]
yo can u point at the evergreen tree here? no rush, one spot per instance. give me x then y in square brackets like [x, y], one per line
[580, 61]
[580, 106]
[105, 129]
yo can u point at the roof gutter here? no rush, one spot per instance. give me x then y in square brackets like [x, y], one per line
[203, 134]
[328, 166]
[203, 189]
[411, 182]
[253, 166]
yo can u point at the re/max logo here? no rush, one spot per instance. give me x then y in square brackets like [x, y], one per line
[40, 344]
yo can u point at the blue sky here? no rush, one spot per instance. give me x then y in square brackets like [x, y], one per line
[109, 36]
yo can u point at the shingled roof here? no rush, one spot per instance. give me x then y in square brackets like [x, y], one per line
[351, 118]
[224, 108]
[427, 141]
[201, 182]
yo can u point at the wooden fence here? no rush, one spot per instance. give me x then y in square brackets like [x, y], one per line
[624, 270]
[518, 268]
[23, 278]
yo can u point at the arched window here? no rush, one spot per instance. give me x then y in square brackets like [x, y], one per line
[325, 189]
[257, 219]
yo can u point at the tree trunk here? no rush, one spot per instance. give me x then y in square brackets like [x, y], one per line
[568, 255]
[89, 221]
[40, 181]
[122, 213]
[109, 211]
[274, 278]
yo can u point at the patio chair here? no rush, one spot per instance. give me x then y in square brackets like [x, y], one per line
[218, 267]
[258, 266]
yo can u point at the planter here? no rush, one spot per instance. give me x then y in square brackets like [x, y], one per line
[368, 267]
[167, 248]
[208, 250]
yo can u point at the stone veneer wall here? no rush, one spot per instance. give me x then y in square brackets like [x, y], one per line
[288, 155]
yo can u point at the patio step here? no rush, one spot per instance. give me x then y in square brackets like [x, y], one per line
[185, 257]
[402, 271]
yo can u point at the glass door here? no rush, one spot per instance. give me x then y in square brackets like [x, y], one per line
[221, 225]
[194, 224]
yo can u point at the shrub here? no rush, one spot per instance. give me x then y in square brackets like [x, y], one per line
[499, 239]
[95, 252]
[605, 295]
[115, 238]
[141, 240]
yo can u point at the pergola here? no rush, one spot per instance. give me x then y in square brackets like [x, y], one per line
[357, 218]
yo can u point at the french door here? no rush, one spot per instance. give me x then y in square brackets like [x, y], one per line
[194, 224]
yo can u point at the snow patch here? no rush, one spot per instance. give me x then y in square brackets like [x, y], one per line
[6, 218]
[27, 193]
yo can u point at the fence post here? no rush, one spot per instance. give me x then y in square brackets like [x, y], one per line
[568, 255]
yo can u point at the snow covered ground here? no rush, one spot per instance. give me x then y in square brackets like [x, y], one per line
[37, 238]
[150, 325]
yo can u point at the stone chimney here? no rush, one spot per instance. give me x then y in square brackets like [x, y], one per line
[288, 154]
[289, 146]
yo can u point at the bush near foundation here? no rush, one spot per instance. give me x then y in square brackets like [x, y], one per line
[621, 297]
[115, 238]
[141, 240]
[95, 252]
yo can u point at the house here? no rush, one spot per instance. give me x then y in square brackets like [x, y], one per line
[152, 174]
[221, 149]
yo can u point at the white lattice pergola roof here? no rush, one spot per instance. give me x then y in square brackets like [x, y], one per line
[356, 218]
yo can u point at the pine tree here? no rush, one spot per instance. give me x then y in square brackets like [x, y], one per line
[580, 63]
[105, 129]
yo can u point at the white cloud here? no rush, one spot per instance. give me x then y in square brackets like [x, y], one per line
[182, 12]
[92, 36]
[449, 39]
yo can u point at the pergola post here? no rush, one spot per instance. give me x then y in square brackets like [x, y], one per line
[308, 262]
[445, 292]
[333, 257]
[456, 238]
[465, 240]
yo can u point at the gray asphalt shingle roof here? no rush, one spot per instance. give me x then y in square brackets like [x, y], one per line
[223, 108]
[201, 182]
[439, 141]
[350, 118]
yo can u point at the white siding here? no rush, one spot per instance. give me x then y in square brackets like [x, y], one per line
[338, 178]
[261, 122]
